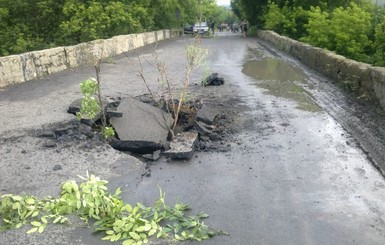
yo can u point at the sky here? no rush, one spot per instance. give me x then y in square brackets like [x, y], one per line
[223, 2]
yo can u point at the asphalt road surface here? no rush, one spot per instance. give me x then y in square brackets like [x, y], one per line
[298, 170]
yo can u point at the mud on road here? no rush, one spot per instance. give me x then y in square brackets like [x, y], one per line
[294, 152]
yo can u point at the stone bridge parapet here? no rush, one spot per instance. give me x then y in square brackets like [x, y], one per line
[364, 78]
[37, 64]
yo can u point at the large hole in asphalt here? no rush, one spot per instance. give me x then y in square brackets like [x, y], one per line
[142, 128]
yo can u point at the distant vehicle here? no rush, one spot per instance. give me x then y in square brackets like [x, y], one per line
[201, 27]
[235, 27]
[188, 29]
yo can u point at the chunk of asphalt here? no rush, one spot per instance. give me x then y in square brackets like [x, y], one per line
[112, 113]
[141, 147]
[206, 114]
[182, 146]
[154, 156]
[46, 134]
[141, 126]
[202, 129]
[75, 106]
[209, 79]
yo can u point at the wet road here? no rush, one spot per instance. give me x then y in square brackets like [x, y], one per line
[294, 175]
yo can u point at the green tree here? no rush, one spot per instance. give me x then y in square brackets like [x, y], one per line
[318, 28]
[252, 10]
[345, 31]
[287, 20]
[349, 29]
[89, 20]
[379, 44]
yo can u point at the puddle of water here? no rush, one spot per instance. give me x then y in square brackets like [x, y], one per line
[281, 80]
[273, 69]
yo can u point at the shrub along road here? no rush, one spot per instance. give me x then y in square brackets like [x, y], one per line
[292, 168]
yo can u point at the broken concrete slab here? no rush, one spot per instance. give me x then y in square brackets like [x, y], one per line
[202, 128]
[112, 113]
[75, 106]
[154, 156]
[206, 114]
[182, 146]
[141, 147]
[141, 126]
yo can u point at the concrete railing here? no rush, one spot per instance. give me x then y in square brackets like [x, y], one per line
[37, 64]
[361, 76]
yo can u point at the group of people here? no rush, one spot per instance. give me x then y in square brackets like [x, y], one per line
[244, 27]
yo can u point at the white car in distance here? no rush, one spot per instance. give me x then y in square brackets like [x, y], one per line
[201, 27]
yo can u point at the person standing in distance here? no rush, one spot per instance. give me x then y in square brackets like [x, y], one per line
[245, 27]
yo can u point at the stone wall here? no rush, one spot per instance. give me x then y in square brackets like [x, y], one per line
[363, 78]
[37, 64]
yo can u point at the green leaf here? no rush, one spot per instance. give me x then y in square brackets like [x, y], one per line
[127, 208]
[44, 219]
[128, 242]
[151, 232]
[41, 229]
[35, 223]
[179, 238]
[30, 201]
[107, 238]
[56, 220]
[17, 198]
[202, 215]
[32, 230]
[134, 235]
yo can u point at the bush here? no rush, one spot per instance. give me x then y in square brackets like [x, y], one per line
[379, 44]
[345, 31]
[252, 32]
[288, 21]
[318, 28]
[349, 32]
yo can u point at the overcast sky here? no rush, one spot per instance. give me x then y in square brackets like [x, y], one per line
[223, 2]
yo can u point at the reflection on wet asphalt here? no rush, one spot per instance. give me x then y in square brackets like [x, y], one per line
[281, 79]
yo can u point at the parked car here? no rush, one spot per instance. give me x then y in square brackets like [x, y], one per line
[201, 27]
[188, 29]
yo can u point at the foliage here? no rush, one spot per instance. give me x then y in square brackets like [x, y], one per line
[287, 20]
[92, 203]
[318, 28]
[345, 31]
[38, 24]
[350, 28]
[252, 10]
[252, 32]
[92, 20]
[379, 44]
[91, 105]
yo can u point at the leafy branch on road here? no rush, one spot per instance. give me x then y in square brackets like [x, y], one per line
[91, 202]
